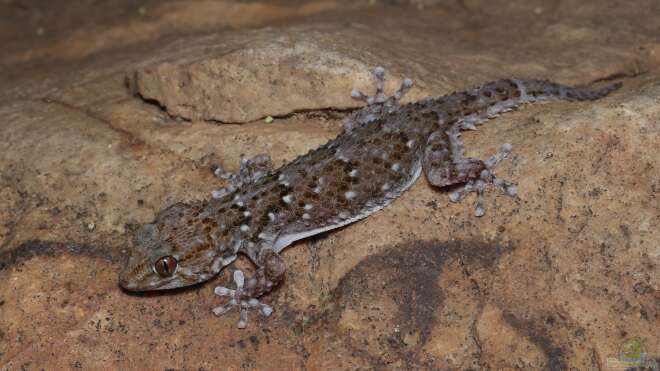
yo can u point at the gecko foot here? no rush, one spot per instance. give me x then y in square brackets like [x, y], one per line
[239, 301]
[378, 104]
[486, 178]
[251, 169]
[379, 96]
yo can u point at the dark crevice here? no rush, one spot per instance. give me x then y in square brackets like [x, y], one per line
[127, 135]
[37, 248]
[130, 138]
[328, 112]
[161, 107]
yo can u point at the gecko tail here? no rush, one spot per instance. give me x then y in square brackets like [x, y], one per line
[493, 98]
[543, 90]
[581, 94]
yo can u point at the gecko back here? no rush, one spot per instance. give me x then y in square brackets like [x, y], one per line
[383, 150]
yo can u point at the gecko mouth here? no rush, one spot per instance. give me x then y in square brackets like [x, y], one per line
[137, 280]
[130, 284]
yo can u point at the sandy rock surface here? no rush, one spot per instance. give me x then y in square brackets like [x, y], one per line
[108, 116]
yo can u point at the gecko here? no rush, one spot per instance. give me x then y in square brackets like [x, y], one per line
[383, 149]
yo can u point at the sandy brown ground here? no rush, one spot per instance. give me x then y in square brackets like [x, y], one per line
[110, 111]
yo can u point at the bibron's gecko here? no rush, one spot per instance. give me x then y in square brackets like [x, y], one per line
[381, 152]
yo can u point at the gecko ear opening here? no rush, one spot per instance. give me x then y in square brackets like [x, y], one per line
[146, 233]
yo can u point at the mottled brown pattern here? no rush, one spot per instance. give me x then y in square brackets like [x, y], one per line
[381, 152]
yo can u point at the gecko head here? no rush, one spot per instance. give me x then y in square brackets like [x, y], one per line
[170, 253]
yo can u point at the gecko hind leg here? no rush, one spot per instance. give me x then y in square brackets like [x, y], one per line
[245, 296]
[251, 169]
[444, 164]
[486, 178]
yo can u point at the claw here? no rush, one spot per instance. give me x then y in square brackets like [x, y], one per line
[486, 178]
[406, 84]
[499, 156]
[239, 279]
[237, 301]
[218, 311]
[221, 173]
[379, 76]
[379, 95]
[466, 125]
[356, 94]
[222, 192]
[461, 193]
[223, 291]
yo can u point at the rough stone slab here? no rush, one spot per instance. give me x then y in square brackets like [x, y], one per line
[560, 278]
[246, 76]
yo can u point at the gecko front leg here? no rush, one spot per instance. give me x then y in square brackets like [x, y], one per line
[251, 169]
[377, 104]
[379, 96]
[245, 296]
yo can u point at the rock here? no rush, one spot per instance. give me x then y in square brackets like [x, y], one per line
[252, 75]
[562, 277]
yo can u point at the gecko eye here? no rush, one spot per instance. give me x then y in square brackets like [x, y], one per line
[165, 266]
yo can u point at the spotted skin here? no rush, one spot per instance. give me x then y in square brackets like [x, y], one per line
[382, 151]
